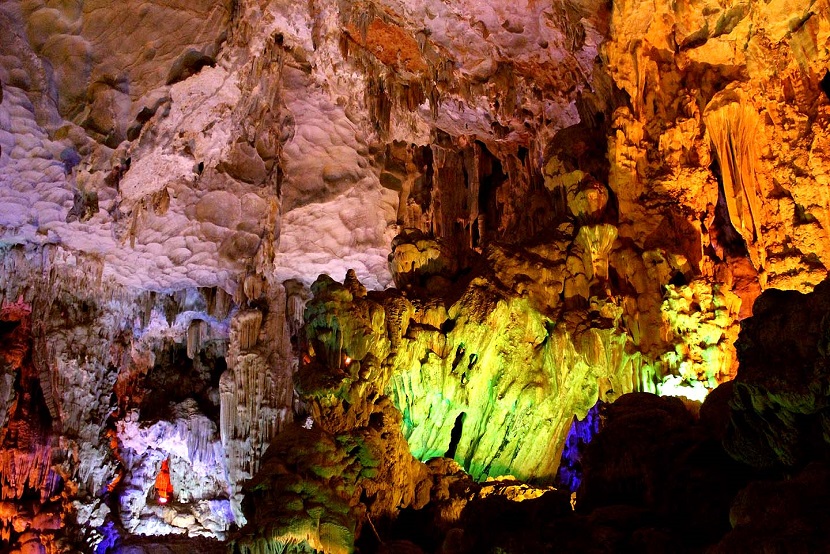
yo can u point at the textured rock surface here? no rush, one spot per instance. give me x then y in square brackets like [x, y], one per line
[573, 200]
[737, 86]
[123, 383]
[780, 402]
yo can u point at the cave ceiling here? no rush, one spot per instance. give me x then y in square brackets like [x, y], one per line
[246, 123]
[205, 103]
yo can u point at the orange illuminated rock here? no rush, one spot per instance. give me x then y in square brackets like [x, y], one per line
[391, 45]
[164, 487]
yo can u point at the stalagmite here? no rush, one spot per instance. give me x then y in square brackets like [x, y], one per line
[255, 392]
[245, 328]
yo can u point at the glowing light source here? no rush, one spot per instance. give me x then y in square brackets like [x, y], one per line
[164, 487]
[674, 385]
[348, 360]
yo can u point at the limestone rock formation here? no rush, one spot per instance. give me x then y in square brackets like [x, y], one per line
[779, 416]
[738, 89]
[536, 207]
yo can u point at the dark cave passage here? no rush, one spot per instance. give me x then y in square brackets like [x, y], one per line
[455, 436]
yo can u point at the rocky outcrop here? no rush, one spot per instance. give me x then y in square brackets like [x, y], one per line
[780, 402]
[766, 514]
[348, 462]
[472, 369]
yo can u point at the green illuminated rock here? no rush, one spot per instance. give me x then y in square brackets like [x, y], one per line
[319, 484]
[488, 368]
[300, 500]
[492, 369]
[505, 379]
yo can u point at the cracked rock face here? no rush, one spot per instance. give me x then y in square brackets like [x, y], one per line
[535, 207]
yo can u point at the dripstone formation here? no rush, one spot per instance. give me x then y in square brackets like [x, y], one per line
[378, 276]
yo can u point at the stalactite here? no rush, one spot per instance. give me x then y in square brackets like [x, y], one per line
[253, 286]
[218, 303]
[434, 97]
[196, 332]
[596, 242]
[472, 163]
[514, 220]
[25, 463]
[43, 360]
[452, 203]
[197, 431]
[394, 84]
[732, 124]
[380, 105]
[409, 96]
[146, 301]
[227, 406]
[296, 297]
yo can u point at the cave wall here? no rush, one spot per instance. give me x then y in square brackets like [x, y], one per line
[571, 201]
[104, 385]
